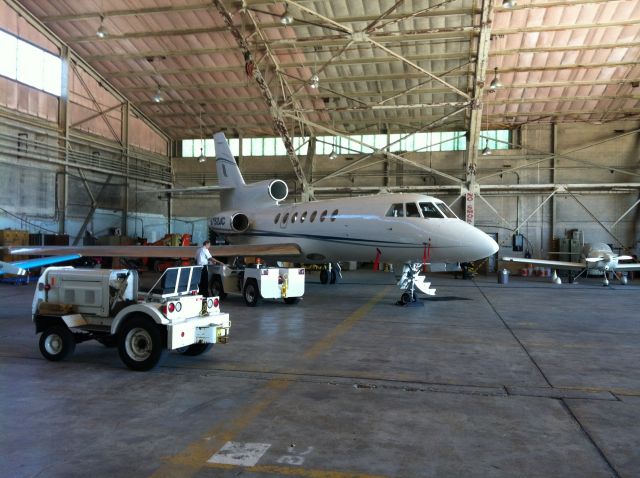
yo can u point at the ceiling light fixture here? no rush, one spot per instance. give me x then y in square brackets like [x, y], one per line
[333, 155]
[495, 83]
[102, 32]
[486, 151]
[157, 98]
[314, 81]
[286, 18]
[509, 3]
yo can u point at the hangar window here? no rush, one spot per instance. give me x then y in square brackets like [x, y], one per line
[429, 210]
[285, 218]
[313, 216]
[334, 214]
[412, 209]
[303, 217]
[323, 216]
[353, 144]
[30, 65]
[294, 217]
[277, 218]
[396, 210]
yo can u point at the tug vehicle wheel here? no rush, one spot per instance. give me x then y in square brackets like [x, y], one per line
[56, 343]
[140, 345]
[251, 293]
[216, 289]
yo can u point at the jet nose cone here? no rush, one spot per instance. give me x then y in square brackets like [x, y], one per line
[482, 244]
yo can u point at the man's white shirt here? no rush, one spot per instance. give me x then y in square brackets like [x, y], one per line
[202, 256]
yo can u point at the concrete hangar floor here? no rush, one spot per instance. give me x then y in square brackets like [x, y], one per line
[522, 379]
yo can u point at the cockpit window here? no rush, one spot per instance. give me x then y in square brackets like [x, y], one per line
[429, 210]
[447, 212]
[396, 210]
[412, 209]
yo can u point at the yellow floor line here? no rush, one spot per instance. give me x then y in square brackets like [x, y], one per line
[196, 454]
[344, 326]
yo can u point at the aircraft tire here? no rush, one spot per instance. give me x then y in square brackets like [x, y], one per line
[324, 276]
[291, 300]
[334, 277]
[406, 298]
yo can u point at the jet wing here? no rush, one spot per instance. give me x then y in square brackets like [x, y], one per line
[159, 251]
[635, 266]
[20, 267]
[543, 262]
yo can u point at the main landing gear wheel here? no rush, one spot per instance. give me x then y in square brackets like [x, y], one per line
[56, 343]
[251, 293]
[333, 276]
[140, 345]
[324, 276]
[195, 349]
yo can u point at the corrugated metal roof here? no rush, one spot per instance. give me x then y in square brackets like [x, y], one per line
[558, 61]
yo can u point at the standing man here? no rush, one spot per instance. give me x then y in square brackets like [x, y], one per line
[204, 258]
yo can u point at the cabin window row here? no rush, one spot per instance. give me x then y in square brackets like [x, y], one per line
[295, 217]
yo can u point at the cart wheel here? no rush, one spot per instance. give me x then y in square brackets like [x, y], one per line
[251, 293]
[195, 349]
[216, 289]
[140, 344]
[291, 300]
[324, 276]
[56, 343]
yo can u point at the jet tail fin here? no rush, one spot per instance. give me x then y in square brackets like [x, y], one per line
[228, 172]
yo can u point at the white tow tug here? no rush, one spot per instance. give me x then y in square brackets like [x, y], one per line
[256, 282]
[75, 305]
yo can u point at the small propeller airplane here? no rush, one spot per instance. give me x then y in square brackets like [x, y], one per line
[20, 268]
[395, 228]
[594, 257]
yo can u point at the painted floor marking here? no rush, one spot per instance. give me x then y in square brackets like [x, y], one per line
[240, 454]
[195, 455]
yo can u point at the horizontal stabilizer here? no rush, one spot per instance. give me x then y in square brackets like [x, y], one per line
[625, 258]
[195, 189]
[635, 266]
[159, 251]
[594, 259]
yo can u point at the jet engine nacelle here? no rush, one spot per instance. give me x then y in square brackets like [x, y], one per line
[264, 192]
[229, 222]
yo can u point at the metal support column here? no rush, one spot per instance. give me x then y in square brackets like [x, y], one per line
[63, 141]
[124, 136]
[475, 120]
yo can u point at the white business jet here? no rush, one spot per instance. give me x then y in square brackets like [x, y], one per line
[393, 228]
[593, 257]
